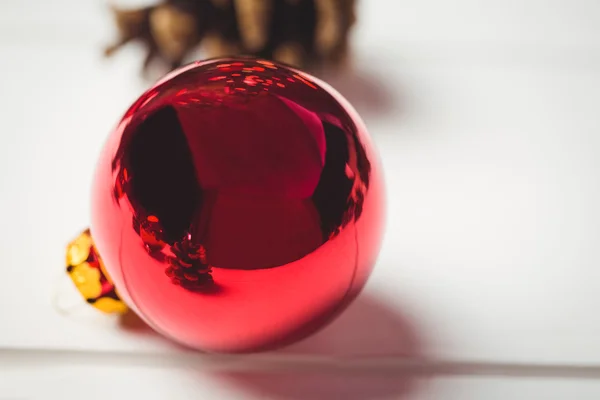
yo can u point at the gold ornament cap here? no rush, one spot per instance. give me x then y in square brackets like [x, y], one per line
[86, 270]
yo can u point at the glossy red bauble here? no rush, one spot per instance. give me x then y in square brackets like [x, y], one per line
[238, 205]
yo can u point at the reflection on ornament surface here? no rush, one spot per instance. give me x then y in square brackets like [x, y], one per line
[238, 205]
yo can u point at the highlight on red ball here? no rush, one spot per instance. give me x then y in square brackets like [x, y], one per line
[238, 205]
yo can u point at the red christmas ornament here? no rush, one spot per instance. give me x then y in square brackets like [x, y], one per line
[238, 205]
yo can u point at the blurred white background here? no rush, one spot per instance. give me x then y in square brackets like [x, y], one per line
[486, 117]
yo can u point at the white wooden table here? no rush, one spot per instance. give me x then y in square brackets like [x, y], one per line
[486, 114]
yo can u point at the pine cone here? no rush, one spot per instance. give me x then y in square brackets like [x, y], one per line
[301, 33]
[188, 267]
